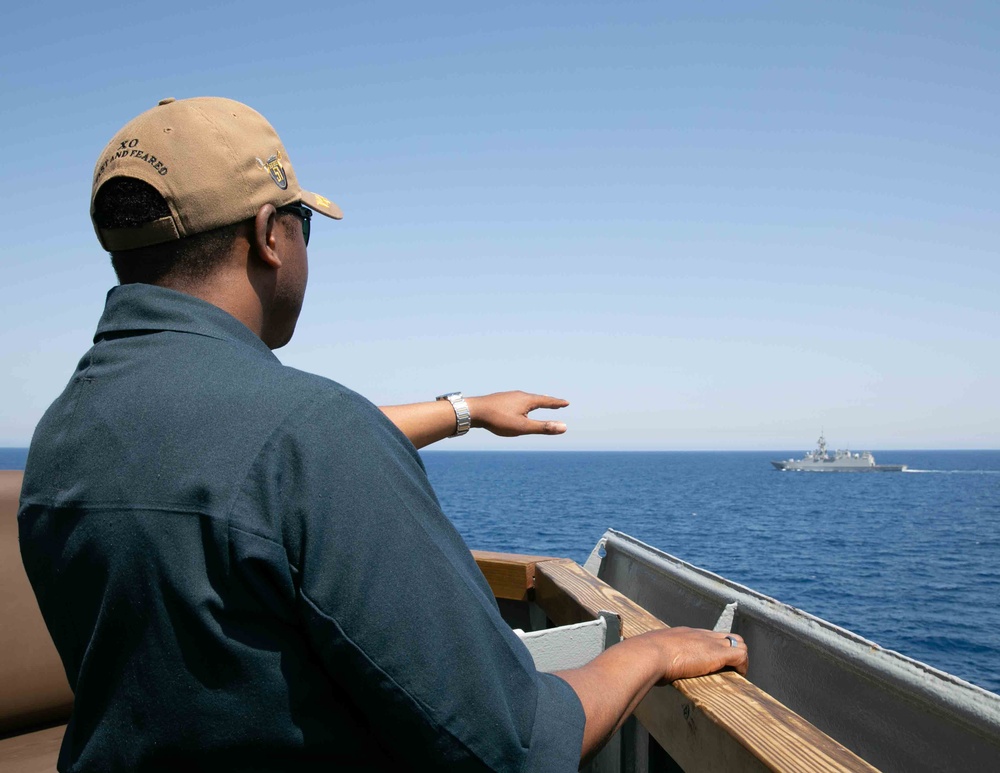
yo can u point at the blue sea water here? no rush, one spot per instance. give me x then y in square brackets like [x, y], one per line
[909, 560]
[13, 458]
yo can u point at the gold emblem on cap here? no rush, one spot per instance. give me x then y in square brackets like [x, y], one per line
[323, 201]
[273, 167]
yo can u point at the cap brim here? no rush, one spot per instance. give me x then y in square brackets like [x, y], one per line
[321, 204]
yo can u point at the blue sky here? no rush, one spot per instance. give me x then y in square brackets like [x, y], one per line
[709, 226]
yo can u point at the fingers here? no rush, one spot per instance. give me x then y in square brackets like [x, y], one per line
[523, 426]
[525, 402]
[506, 413]
[544, 427]
[545, 401]
[693, 652]
[515, 425]
[739, 657]
[728, 647]
[536, 427]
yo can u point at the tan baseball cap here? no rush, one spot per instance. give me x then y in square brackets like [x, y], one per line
[215, 161]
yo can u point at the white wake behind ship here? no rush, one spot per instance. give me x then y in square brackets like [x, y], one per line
[841, 461]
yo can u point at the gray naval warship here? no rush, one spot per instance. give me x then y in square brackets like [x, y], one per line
[841, 461]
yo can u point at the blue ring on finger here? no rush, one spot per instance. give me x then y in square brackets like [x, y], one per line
[732, 641]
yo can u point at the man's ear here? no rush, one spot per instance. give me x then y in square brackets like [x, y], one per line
[264, 239]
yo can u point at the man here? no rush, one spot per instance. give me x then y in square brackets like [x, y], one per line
[243, 566]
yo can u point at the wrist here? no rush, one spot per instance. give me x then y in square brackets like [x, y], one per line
[475, 411]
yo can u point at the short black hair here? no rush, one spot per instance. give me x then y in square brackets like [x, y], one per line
[126, 202]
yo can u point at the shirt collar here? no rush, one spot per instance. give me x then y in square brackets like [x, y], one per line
[137, 308]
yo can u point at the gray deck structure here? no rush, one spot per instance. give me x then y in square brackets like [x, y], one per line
[893, 711]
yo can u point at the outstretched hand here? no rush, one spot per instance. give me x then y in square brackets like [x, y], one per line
[506, 413]
[502, 413]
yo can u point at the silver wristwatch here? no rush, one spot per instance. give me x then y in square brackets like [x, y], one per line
[463, 419]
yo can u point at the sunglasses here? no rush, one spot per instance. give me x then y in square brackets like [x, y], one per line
[303, 212]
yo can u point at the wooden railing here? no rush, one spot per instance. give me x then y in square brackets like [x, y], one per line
[33, 687]
[719, 722]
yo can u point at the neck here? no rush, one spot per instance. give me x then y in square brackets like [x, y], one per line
[234, 286]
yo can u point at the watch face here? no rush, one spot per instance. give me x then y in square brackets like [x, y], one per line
[456, 395]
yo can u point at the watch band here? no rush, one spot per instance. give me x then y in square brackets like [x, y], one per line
[463, 419]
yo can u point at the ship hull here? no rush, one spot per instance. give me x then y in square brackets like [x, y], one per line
[831, 467]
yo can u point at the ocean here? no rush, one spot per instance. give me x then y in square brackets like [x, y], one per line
[909, 560]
